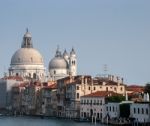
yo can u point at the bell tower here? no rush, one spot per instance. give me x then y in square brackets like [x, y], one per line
[73, 63]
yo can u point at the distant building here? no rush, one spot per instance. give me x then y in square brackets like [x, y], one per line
[113, 110]
[71, 88]
[6, 85]
[49, 99]
[140, 111]
[93, 105]
[63, 65]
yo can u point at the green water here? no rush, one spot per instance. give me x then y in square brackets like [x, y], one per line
[28, 121]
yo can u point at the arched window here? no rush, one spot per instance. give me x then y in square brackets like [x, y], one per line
[30, 75]
[106, 88]
[34, 75]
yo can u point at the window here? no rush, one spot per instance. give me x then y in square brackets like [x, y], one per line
[138, 110]
[94, 88]
[77, 87]
[110, 108]
[94, 102]
[147, 111]
[54, 71]
[115, 88]
[89, 88]
[142, 111]
[134, 110]
[91, 102]
[121, 89]
[34, 75]
[77, 95]
[113, 109]
[100, 102]
[87, 102]
[106, 88]
[107, 108]
[97, 102]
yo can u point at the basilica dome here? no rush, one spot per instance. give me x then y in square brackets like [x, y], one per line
[58, 63]
[27, 56]
[27, 62]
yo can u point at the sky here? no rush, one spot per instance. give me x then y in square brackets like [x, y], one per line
[112, 32]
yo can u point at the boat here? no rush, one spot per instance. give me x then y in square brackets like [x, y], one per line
[82, 120]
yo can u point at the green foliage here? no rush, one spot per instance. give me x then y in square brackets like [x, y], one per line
[124, 110]
[117, 98]
[147, 88]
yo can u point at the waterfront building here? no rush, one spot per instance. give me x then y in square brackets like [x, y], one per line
[49, 99]
[6, 85]
[17, 98]
[140, 111]
[113, 110]
[27, 62]
[31, 99]
[93, 105]
[63, 65]
[71, 88]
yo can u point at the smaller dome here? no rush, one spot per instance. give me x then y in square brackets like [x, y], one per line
[58, 63]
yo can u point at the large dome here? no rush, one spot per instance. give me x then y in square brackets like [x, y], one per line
[58, 63]
[27, 56]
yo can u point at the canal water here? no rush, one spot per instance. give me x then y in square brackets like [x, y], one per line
[28, 121]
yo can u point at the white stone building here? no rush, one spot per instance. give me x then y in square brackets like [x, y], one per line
[27, 62]
[113, 110]
[63, 65]
[93, 105]
[6, 85]
[140, 111]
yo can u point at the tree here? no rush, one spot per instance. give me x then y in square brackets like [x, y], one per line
[147, 88]
[117, 98]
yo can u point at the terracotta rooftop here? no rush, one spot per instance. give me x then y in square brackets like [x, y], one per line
[53, 86]
[101, 94]
[135, 88]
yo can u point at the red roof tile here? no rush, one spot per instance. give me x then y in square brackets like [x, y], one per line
[53, 86]
[101, 94]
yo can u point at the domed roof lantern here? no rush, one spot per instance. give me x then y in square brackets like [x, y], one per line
[27, 40]
[72, 51]
[58, 52]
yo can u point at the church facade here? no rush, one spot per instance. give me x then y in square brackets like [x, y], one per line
[63, 65]
[28, 63]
